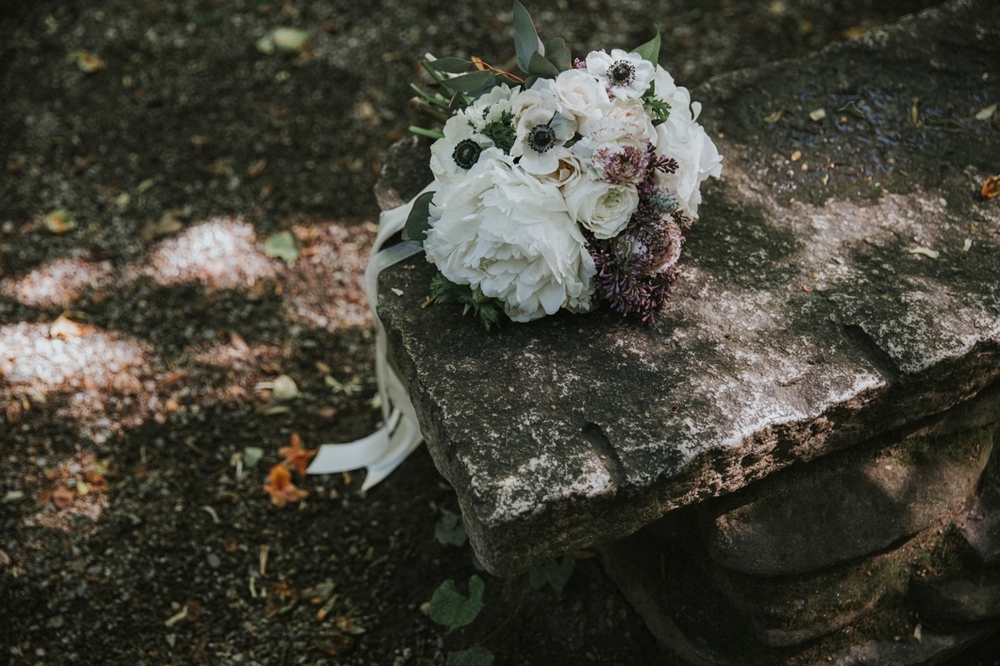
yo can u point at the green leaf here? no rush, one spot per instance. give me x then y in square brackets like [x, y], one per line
[452, 609]
[650, 50]
[252, 456]
[476, 656]
[525, 36]
[430, 134]
[418, 221]
[282, 246]
[561, 58]
[555, 45]
[486, 308]
[449, 65]
[539, 66]
[469, 82]
[553, 572]
[658, 110]
[450, 531]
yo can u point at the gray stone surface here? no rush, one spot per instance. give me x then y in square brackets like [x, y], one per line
[796, 328]
[847, 506]
[960, 599]
[981, 522]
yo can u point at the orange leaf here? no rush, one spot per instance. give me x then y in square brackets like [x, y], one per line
[295, 456]
[62, 497]
[281, 489]
[991, 187]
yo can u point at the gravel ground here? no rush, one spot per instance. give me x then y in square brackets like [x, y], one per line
[148, 150]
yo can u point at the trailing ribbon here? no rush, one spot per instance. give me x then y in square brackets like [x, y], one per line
[383, 450]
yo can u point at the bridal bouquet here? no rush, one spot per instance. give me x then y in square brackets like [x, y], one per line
[565, 188]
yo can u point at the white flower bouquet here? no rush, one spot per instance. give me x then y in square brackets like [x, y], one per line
[564, 189]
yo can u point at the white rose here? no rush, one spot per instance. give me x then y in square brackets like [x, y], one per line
[508, 234]
[601, 207]
[582, 95]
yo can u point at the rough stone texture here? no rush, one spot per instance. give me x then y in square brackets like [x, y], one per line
[960, 599]
[668, 578]
[981, 524]
[796, 329]
[847, 506]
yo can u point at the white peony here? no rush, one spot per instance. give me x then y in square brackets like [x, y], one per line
[510, 235]
[625, 74]
[683, 139]
[601, 207]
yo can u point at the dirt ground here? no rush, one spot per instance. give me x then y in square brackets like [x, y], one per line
[148, 151]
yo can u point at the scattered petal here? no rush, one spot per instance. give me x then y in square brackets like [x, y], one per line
[284, 388]
[817, 115]
[290, 40]
[65, 328]
[927, 252]
[252, 456]
[796, 156]
[967, 245]
[295, 456]
[281, 489]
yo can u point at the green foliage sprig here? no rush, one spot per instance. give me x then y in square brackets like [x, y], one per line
[486, 308]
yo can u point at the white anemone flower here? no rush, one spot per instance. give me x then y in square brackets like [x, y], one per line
[491, 106]
[541, 134]
[458, 151]
[625, 74]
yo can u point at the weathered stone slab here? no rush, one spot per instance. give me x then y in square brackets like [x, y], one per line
[981, 522]
[801, 322]
[848, 506]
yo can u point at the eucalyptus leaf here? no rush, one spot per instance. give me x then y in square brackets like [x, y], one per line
[556, 44]
[453, 609]
[430, 134]
[562, 59]
[449, 65]
[471, 81]
[650, 50]
[539, 66]
[525, 36]
[418, 221]
[282, 246]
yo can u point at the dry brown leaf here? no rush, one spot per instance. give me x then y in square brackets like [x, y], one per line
[280, 487]
[62, 497]
[991, 187]
[295, 456]
[257, 168]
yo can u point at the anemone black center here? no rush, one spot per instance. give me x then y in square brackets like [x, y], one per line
[541, 138]
[622, 73]
[466, 153]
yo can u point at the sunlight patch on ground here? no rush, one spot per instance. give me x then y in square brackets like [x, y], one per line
[104, 377]
[325, 287]
[221, 254]
[56, 284]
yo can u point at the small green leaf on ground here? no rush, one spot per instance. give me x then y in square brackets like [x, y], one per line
[472, 657]
[987, 113]
[451, 608]
[252, 456]
[554, 572]
[282, 246]
[450, 531]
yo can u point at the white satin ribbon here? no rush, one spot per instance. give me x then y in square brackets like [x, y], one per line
[383, 450]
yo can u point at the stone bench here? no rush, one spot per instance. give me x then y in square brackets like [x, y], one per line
[801, 447]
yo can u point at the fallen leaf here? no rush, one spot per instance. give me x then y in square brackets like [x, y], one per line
[257, 168]
[170, 223]
[281, 489]
[987, 113]
[282, 246]
[295, 456]
[991, 187]
[252, 456]
[67, 329]
[817, 115]
[87, 62]
[62, 497]
[290, 40]
[926, 251]
[59, 221]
